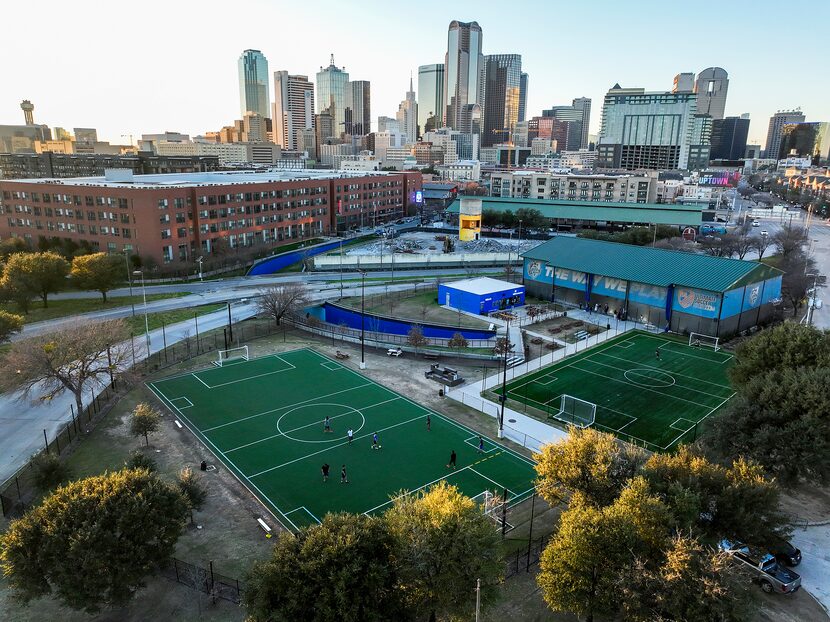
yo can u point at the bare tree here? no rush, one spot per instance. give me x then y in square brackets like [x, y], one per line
[790, 240]
[743, 244]
[761, 243]
[503, 346]
[415, 337]
[795, 283]
[458, 342]
[79, 358]
[277, 301]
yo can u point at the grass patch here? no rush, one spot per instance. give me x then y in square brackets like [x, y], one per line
[166, 318]
[74, 306]
[418, 307]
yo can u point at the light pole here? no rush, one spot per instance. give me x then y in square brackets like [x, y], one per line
[200, 259]
[341, 267]
[362, 319]
[812, 299]
[504, 380]
[129, 278]
[146, 322]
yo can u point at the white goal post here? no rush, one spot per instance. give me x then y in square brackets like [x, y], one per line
[494, 508]
[232, 354]
[699, 340]
[576, 412]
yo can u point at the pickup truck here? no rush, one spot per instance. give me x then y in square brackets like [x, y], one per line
[763, 568]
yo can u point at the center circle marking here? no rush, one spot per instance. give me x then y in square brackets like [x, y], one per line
[336, 438]
[658, 379]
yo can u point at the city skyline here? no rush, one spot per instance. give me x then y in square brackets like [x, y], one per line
[124, 93]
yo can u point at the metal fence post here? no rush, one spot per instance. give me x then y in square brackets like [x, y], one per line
[46, 440]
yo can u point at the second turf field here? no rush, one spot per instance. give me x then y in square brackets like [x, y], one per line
[655, 402]
[264, 420]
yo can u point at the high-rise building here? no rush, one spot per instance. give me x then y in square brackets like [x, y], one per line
[502, 86]
[357, 116]
[408, 115]
[85, 134]
[641, 130]
[711, 87]
[523, 84]
[293, 109]
[684, 83]
[332, 87]
[584, 104]
[776, 126]
[810, 140]
[430, 97]
[462, 70]
[729, 138]
[253, 84]
[324, 129]
[28, 109]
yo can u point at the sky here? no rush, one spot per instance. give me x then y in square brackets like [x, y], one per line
[129, 68]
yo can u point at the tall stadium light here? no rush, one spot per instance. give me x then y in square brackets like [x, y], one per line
[146, 322]
[362, 319]
[504, 380]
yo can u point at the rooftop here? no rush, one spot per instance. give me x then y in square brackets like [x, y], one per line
[482, 285]
[216, 178]
[652, 266]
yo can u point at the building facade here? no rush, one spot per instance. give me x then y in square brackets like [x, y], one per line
[332, 85]
[729, 137]
[60, 166]
[711, 87]
[358, 113]
[407, 115]
[502, 90]
[430, 97]
[776, 128]
[463, 65]
[293, 109]
[523, 86]
[810, 140]
[610, 188]
[173, 219]
[253, 84]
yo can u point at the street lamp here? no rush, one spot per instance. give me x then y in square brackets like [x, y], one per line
[362, 319]
[129, 277]
[144, 294]
[504, 380]
[200, 259]
[812, 299]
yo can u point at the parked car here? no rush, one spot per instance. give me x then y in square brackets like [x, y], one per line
[756, 223]
[762, 568]
[785, 552]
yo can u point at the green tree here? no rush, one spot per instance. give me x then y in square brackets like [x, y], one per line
[588, 462]
[786, 346]
[98, 271]
[10, 246]
[10, 323]
[15, 288]
[781, 420]
[139, 460]
[93, 542]
[191, 488]
[531, 218]
[49, 472]
[38, 273]
[341, 569]
[444, 543]
[145, 421]
[458, 342]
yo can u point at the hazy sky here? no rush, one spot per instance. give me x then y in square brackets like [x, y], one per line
[133, 68]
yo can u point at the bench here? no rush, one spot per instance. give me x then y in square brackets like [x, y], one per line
[394, 352]
[265, 527]
[580, 335]
[341, 355]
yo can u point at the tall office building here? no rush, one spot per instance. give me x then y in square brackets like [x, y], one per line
[293, 109]
[332, 84]
[729, 138]
[523, 84]
[358, 115]
[711, 87]
[502, 86]
[683, 83]
[324, 130]
[654, 130]
[408, 115]
[583, 104]
[463, 66]
[776, 126]
[809, 140]
[253, 84]
[430, 97]
[567, 127]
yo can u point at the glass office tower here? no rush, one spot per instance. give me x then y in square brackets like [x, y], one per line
[253, 84]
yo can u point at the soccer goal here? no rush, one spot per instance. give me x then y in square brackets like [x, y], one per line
[575, 411]
[699, 340]
[494, 508]
[232, 354]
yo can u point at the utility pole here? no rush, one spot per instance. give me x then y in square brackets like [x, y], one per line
[362, 319]
[504, 380]
[230, 324]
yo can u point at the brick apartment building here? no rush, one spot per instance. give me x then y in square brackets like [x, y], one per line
[178, 217]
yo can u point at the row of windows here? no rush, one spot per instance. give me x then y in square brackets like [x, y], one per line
[247, 197]
[66, 199]
[70, 227]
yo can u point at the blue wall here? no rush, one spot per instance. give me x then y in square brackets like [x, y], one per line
[698, 302]
[278, 262]
[335, 314]
[478, 303]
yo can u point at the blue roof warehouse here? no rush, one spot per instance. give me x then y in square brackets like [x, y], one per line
[481, 295]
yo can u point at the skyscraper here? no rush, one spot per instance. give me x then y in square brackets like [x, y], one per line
[711, 87]
[810, 140]
[584, 105]
[331, 94]
[648, 130]
[28, 109]
[684, 83]
[570, 126]
[502, 86]
[776, 126]
[462, 70]
[408, 115]
[358, 114]
[253, 84]
[729, 137]
[293, 109]
[430, 97]
[523, 97]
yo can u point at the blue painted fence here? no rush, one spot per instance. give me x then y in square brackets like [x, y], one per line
[335, 314]
[278, 262]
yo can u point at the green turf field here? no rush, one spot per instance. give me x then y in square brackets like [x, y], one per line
[655, 403]
[263, 419]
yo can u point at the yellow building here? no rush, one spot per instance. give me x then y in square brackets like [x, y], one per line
[469, 219]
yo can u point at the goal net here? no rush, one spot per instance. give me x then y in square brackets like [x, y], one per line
[232, 354]
[494, 508]
[699, 340]
[575, 411]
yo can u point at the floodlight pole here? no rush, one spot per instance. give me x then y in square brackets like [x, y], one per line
[146, 322]
[504, 381]
[129, 280]
[362, 319]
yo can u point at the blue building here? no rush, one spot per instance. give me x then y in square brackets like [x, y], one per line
[481, 295]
